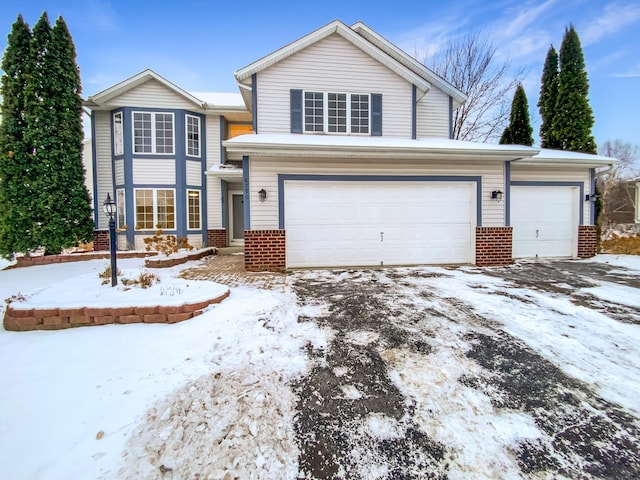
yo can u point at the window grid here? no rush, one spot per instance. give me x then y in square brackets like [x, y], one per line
[118, 132]
[153, 133]
[155, 209]
[359, 113]
[120, 208]
[333, 112]
[313, 111]
[193, 210]
[337, 112]
[193, 136]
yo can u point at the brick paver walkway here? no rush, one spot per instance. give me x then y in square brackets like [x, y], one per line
[229, 270]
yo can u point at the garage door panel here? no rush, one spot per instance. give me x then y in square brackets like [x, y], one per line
[369, 223]
[544, 220]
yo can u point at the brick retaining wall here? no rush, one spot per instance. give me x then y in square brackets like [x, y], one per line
[493, 246]
[166, 262]
[264, 251]
[100, 240]
[20, 320]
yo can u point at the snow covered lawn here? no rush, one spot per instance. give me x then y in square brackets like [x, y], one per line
[525, 371]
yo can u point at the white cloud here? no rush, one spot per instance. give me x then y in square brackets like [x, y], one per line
[614, 18]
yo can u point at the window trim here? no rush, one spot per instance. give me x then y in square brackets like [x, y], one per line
[199, 227]
[186, 135]
[121, 208]
[153, 133]
[155, 209]
[325, 117]
[118, 134]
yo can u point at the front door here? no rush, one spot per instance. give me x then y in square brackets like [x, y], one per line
[236, 218]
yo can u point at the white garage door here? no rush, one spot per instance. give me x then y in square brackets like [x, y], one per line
[378, 223]
[545, 221]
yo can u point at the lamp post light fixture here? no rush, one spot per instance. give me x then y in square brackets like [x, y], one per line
[496, 195]
[109, 208]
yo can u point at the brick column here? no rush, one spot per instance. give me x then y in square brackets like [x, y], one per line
[493, 246]
[264, 250]
[587, 241]
[100, 240]
[217, 238]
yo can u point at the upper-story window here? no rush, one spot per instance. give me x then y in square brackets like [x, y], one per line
[153, 132]
[118, 136]
[193, 135]
[332, 112]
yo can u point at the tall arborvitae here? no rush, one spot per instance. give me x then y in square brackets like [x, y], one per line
[548, 98]
[15, 155]
[519, 130]
[68, 221]
[573, 116]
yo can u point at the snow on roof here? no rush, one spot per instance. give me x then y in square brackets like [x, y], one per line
[220, 99]
[549, 154]
[374, 144]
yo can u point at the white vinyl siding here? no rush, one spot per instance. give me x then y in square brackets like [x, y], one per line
[212, 140]
[195, 240]
[529, 173]
[119, 169]
[194, 173]
[264, 174]
[332, 65]
[432, 115]
[103, 163]
[214, 198]
[153, 94]
[154, 171]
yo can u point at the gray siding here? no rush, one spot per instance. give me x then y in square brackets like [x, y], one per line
[153, 94]
[154, 171]
[194, 173]
[103, 163]
[119, 168]
[332, 64]
[432, 115]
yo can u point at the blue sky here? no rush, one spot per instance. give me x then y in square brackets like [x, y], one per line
[198, 44]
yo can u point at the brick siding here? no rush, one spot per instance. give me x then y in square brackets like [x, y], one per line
[587, 241]
[217, 238]
[100, 240]
[493, 246]
[264, 250]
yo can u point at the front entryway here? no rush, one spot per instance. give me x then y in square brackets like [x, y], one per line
[373, 223]
[236, 218]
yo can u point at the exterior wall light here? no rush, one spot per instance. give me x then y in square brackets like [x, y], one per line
[496, 195]
[109, 208]
[262, 195]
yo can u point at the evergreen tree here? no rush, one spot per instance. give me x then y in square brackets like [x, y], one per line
[69, 221]
[16, 187]
[547, 100]
[48, 204]
[573, 117]
[519, 130]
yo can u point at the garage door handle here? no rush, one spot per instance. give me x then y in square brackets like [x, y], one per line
[537, 231]
[382, 236]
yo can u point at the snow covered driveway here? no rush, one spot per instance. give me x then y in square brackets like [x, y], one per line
[525, 371]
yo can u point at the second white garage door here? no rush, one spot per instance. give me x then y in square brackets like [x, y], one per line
[545, 221]
[378, 223]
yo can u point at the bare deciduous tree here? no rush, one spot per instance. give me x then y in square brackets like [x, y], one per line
[469, 63]
[616, 194]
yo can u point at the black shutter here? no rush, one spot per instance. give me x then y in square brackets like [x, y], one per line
[376, 114]
[296, 111]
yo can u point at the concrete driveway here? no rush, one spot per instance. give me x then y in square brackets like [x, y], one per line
[527, 371]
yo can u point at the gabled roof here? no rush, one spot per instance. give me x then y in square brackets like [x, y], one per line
[390, 61]
[217, 101]
[132, 82]
[408, 61]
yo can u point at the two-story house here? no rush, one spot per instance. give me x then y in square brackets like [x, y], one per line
[336, 152]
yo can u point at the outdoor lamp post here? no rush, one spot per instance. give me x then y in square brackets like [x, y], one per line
[109, 208]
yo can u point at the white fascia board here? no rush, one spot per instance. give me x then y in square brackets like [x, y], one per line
[372, 147]
[348, 34]
[565, 158]
[408, 61]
